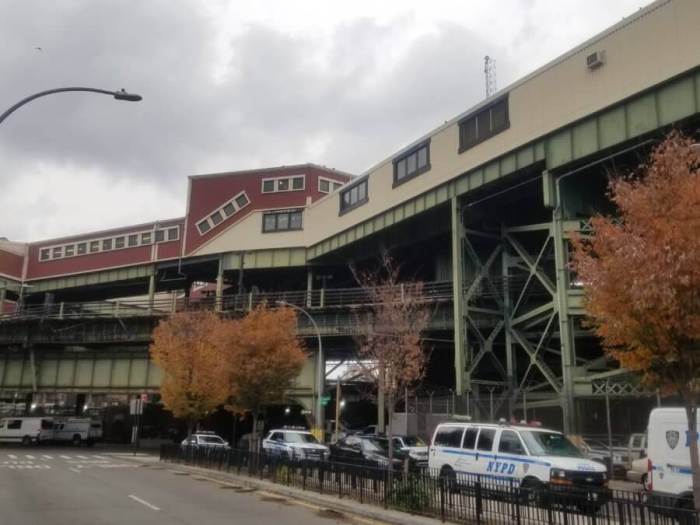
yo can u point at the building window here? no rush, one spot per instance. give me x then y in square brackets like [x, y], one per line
[119, 243]
[173, 234]
[203, 227]
[354, 196]
[94, 246]
[45, 254]
[279, 221]
[242, 201]
[294, 183]
[133, 240]
[146, 238]
[298, 183]
[483, 124]
[82, 248]
[107, 244]
[160, 235]
[227, 210]
[412, 163]
[69, 250]
[328, 185]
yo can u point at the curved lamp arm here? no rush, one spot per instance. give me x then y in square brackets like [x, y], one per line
[119, 95]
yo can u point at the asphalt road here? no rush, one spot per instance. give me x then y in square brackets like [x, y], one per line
[68, 486]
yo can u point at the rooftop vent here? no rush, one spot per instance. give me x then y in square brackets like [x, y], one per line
[595, 60]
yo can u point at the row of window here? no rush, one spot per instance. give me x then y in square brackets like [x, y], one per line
[229, 209]
[282, 221]
[473, 129]
[484, 124]
[412, 163]
[106, 244]
[452, 437]
[293, 183]
[354, 196]
[328, 185]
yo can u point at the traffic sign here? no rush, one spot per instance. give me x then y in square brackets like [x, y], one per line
[325, 400]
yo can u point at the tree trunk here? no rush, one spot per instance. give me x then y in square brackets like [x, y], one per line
[389, 430]
[190, 426]
[254, 434]
[691, 410]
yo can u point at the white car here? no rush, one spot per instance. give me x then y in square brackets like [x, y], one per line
[638, 473]
[294, 445]
[207, 440]
[414, 447]
[533, 457]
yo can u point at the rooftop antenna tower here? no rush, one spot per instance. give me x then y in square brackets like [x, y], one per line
[490, 75]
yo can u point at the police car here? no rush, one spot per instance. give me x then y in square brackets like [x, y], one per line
[533, 457]
[669, 476]
[294, 444]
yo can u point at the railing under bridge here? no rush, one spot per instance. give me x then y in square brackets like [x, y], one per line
[333, 298]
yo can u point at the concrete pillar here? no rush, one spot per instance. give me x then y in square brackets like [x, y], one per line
[309, 286]
[461, 379]
[218, 302]
[151, 290]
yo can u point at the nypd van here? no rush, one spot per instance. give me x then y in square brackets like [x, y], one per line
[669, 476]
[532, 457]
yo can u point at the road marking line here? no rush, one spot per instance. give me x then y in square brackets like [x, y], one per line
[143, 502]
[65, 457]
[83, 457]
[12, 456]
[46, 456]
[75, 470]
[99, 457]
[29, 457]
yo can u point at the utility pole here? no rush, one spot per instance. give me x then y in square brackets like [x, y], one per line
[490, 75]
[337, 410]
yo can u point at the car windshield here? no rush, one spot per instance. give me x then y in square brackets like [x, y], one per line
[549, 444]
[212, 440]
[299, 437]
[375, 445]
[413, 441]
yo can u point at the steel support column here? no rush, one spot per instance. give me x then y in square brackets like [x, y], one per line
[461, 378]
[151, 290]
[568, 357]
[511, 372]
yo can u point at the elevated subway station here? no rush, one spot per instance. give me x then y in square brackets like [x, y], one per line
[481, 209]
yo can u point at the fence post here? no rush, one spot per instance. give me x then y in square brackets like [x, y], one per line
[386, 488]
[621, 512]
[442, 498]
[479, 502]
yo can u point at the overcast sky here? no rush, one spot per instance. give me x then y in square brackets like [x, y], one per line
[232, 85]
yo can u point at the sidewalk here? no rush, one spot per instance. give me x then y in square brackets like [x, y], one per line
[348, 506]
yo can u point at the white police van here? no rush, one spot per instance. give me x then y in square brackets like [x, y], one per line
[669, 476]
[294, 444]
[532, 457]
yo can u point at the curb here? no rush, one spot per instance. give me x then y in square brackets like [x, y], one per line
[348, 506]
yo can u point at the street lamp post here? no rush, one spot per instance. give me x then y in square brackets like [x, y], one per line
[118, 95]
[320, 368]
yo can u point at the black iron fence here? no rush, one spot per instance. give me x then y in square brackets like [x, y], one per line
[450, 497]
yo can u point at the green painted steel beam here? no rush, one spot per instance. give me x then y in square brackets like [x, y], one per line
[89, 279]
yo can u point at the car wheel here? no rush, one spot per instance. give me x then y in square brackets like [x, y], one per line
[26, 441]
[76, 441]
[448, 477]
[532, 492]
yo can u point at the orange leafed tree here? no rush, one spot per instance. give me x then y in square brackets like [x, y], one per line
[641, 275]
[391, 350]
[189, 348]
[264, 357]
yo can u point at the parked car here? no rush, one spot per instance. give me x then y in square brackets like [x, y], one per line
[205, 440]
[294, 444]
[26, 430]
[368, 450]
[74, 430]
[536, 458]
[414, 447]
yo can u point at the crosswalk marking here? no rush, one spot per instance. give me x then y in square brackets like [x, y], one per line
[29, 457]
[74, 462]
[65, 457]
[12, 456]
[46, 456]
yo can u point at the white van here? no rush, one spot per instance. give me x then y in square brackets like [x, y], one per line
[74, 430]
[532, 457]
[26, 430]
[669, 478]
